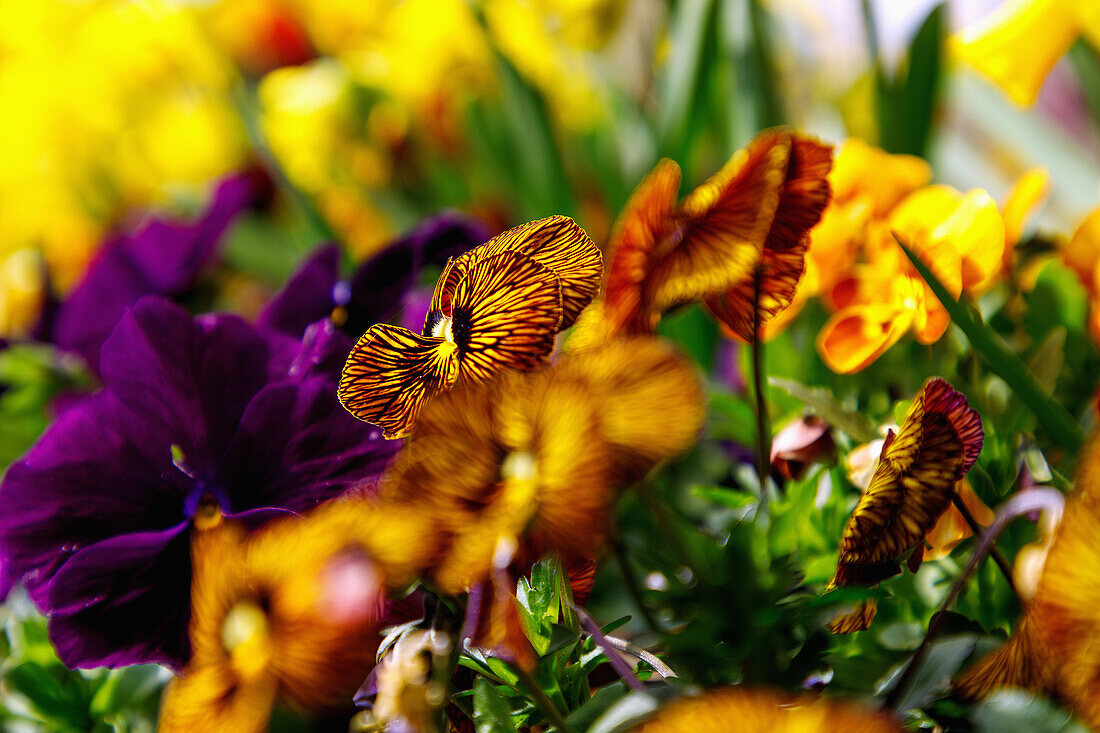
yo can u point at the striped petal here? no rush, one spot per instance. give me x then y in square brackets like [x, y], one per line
[913, 484]
[556, 243]
[723, 224]
[754, 303]
[645, 222]
[506, 310]
[391, 373]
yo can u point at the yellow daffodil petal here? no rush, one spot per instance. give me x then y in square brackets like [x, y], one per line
[1018, 44]
[1027, 194]
[894, 176]
[1082, 253]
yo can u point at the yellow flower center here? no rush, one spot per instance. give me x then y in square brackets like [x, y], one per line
[246, 636]
[519, 465]
[442, 329]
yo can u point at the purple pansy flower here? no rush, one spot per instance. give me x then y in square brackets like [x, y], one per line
[96, 517]
[163, 257]
[377, 291]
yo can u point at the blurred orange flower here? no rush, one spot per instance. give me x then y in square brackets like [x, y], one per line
[291, 613]
[764, 711]
[736, 243]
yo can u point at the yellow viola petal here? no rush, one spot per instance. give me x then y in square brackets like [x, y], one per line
[391, 373]
[22, 292]
[856, 336]
[749, 308]
[557, 243]
[1021, 663]
[506, 310]
[858, 618]
[648, 397]
[1017, 44]
[977, 232]
[213, 699]
[952, 528]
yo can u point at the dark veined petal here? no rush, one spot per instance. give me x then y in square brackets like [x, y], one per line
[390, 374]
[855, 619]
[506, 311]
[913, 483]
[723, 224]
[556, 243]
[645, 222]
[805, 192]
[778, 275]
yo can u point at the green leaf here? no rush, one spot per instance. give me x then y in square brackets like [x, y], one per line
[740, 501]
[943, 662]
[595, 706]
[633, 709]
[1046, 363]
[822, 402]
[681, 80]
[986, 342]
[492, 714]
[905, 105]
[1016, 711]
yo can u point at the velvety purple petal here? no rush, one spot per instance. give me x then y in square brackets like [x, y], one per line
[306, 297]
[162, 258]
[379, 284]
[172, 254]
[414, 309]
[297, 446]
[8, 579]
[323, 351]
[95, 473]
[192, 378]
[111, 606]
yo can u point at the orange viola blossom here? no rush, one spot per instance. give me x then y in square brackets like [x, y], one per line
[533, 463]
[912, 486]
[960, 236]
[291, 613]
[736, 243]
[1055, 648]
[495, 308]
[764, 711]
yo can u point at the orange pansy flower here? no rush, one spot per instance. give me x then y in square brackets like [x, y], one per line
[740, 233]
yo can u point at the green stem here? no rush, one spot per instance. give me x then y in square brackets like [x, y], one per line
[998, 556]
[1014, 507]
[631, 582]
[763, 431]
[1056, 419]
[545, 703]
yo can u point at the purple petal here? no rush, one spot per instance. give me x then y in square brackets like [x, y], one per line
[379, 284]
[162, 258]
[306, 297]
[94, 474]
[323, 352]
[297, 446]
[191, 379]
[111, 607]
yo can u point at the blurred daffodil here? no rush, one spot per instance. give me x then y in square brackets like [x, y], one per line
[291, 613]
[497, 307]
[22, 292]
[1018, 43]
[912, 486]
